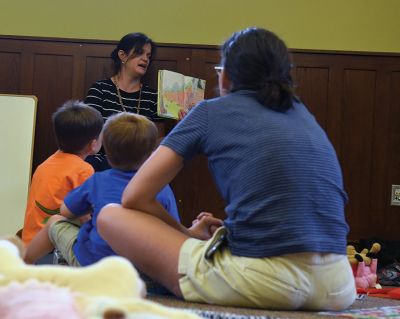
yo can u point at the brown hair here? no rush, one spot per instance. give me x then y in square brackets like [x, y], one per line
[132, 44]
[75, 125]
[257, 59]
[128, 140]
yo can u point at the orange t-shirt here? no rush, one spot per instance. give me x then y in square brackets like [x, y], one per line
[52, 180]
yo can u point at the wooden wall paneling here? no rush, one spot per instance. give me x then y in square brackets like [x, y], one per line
[78, 80]
[391, 217]
[355, 98]
[196, 191]
[27, 65]
[312, 87]
[24, 77]
[96, 64]
[52, 84]
[10, 72]
[379, 191]
[334, 112]
[168, 58]
[203, 62]
[96, 68]
[357, 133]
[309, 70]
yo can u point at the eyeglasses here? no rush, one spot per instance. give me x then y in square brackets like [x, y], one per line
[218, 69]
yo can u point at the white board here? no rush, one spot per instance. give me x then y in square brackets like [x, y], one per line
[17, 127]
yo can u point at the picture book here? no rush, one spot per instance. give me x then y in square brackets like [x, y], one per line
[178, 92]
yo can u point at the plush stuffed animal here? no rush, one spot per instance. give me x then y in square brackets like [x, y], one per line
[109, 289]
[364, 265]
[352, 255]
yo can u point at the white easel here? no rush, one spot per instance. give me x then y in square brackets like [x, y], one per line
[17, 133]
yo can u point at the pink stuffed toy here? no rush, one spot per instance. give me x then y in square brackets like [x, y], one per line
[33, 299]
[364, 265]
[366, 275]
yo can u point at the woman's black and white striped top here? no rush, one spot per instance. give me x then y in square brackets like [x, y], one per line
[103, 96]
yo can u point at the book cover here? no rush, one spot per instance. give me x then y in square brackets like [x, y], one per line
[178, 92]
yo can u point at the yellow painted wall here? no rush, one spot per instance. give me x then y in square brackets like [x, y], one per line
[350, 25]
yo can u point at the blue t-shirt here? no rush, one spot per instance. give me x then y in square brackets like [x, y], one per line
[278, 173]
[101, 189]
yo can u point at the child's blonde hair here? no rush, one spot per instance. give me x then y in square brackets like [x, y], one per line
[128, 140]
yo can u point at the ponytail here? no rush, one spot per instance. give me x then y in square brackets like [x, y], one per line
[256, 59]
[276, 95]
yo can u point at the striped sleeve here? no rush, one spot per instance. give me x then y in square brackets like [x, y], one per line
[188, 137]
[95, 97]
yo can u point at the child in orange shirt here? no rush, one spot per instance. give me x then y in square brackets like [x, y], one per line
[77, 128]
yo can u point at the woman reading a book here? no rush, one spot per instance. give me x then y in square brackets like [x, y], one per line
[283, 243]
[124, 91]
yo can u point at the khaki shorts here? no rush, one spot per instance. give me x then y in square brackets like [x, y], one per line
[63, 235]
[309, 281]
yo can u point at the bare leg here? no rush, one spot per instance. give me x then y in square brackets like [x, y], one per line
[41, 244]
[149, 243]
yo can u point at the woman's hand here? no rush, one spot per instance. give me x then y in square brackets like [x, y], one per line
[181, 114]
[204, 226]
[200, 216]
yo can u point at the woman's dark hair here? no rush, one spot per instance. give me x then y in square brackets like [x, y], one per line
[135, 41]
[256, 59]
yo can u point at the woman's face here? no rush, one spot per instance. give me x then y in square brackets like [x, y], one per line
[137, 64]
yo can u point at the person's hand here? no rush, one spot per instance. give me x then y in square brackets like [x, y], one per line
[85, 218]
[201, 215]
[213, 228]
[181, 114]
[204, 226]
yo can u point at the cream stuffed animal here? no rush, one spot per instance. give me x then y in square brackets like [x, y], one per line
[108, 289]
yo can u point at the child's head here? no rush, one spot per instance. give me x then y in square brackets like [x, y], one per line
[76, 125]
[128, 140]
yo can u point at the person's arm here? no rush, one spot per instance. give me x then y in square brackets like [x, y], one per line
[154, 174]
[76, 204]
[65, 212]
[95, 98]
[180, 145]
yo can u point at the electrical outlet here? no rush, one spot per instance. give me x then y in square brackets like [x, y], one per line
[395, 201]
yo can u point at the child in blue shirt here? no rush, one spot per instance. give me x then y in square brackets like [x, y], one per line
[128, 140]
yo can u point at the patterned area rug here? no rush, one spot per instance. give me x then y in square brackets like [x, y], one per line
[220, 312]
[227, 315]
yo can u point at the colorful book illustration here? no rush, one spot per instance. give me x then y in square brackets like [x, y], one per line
[178, 92]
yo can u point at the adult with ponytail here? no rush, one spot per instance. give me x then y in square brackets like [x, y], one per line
[124, 91]
[283, 242]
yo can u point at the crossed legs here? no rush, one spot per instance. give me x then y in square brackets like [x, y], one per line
[149, 243]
